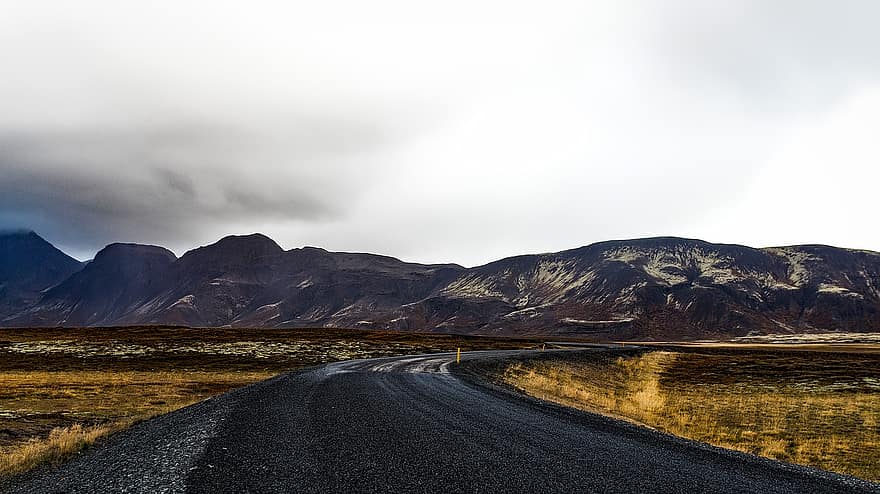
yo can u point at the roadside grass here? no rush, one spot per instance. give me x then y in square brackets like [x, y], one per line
[57, 414]
[63, 389]
[820, 410]
[62, 442]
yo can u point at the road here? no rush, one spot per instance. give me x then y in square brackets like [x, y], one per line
[408, 424]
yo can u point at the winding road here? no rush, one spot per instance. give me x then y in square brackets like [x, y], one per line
[408, 424]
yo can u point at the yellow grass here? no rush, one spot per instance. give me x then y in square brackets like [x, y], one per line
[62, 442]
[835, 430]
[111, 393]
[94, 403]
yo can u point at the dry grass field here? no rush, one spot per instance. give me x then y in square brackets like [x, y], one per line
[63, 389]
[812, 408]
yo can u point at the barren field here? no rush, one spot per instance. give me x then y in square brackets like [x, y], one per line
[820, 409]
[61, 389]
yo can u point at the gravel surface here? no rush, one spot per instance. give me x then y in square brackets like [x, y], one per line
[408, 424]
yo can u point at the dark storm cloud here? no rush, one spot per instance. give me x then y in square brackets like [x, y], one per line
[86, 188]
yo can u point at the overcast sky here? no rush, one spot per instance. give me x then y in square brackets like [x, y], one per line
[460, 131]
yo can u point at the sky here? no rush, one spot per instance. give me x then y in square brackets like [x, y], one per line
[456, 131]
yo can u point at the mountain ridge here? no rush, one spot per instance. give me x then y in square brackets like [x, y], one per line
[658, 287]
[29, 265]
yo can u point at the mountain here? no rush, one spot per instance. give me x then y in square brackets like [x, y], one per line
[659, 288]
[111, 286]
[29, 265]
[664, 288]
[240, 280]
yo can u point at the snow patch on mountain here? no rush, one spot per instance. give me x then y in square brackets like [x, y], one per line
[798, 272]
[681, 265]
[185, 301]
[527, 312]
[583, 322]
[560, 276]
[268, 307]
[473, 286]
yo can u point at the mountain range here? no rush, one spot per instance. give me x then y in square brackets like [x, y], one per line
[655, 288]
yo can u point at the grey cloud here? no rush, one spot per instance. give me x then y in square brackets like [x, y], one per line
[176, 181]
[86, 188]
[781, 55]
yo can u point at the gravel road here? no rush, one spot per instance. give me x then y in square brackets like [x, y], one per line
[408, 424]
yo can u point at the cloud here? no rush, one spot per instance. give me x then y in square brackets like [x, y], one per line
[461, 132]
[781, 56]
[819, 186]
[89, 187]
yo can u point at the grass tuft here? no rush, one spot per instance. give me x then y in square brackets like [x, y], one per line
[61, 443]
[792, 407]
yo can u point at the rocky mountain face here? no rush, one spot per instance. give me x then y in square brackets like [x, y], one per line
[115, 283]
[650, 288]
[240, 281]
[664, 288]
[29, 265]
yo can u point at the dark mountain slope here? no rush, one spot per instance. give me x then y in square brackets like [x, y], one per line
[664, 288]
[111, 287]
[648, 288]
[29, 265]
[306, 286]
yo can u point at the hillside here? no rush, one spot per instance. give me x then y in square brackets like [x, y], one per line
[648, 288]
[29, 265]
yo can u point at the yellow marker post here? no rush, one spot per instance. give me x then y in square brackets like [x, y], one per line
[458, 356]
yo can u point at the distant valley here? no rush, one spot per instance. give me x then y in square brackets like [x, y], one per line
[656, 288]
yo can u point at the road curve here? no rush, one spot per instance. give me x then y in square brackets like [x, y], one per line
[408, 424]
